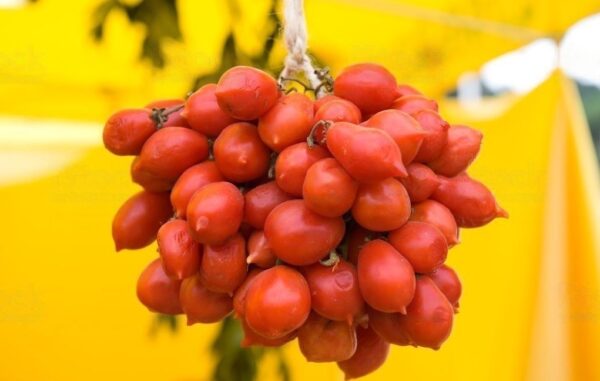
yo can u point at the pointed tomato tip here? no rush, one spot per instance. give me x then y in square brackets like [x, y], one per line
[500, 212]
[201, 223]
[190, 321]
[251, 257]
[400, 169]
[184, 113]
[403, 310]
[118, 247]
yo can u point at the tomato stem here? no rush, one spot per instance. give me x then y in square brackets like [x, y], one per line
[161, 115]
[272, 161]
[311, 139]
[332, 260]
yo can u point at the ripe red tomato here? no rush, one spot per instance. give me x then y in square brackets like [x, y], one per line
[170, 151]
[388, 327]
[371, 87]
[428, 320]
[328, 189]
[223, 267]
[260, 200]
[323, 340]
[437, 136]
[126, 131]
[371, 353]
[253, 339]
[259, 252]
[203, 112]
[420, 183]
[367, 154]
[246, 93]
[385, 277]
[215, 212]
[239, 153]
[357, 238]
[403, 128]
[137, 221]
[148, 180]
[299, 236]
[381, 206]
[239, 297]
[339, 110]
[413, 103]
[157, 291]
[194, 178]
[174, 119]
[471, 202]
[422, 244]
[404, 89]
[179, 252]
[459, 152]
[293, 163]
[439, 216]
[202, 305]
[449, 284]
[277, 302]
[323, 100]
[287, 123]
[334, 291]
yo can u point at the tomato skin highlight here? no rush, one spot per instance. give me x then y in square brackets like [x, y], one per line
[420, 183]
[438, 215]
[137, 221]
[239, 153]
[369, 86]
[293, 163]
[260, 201]
[328, 189]
[338, 110]
[202, 305]
[215, 212]
[435, 141]
[371, 353]
[334, 290]
[323, 340]
[126, 131]
[299, 236]
[203, 113]
[367, 154]
[422, 244]
[192, 179]
[157, 291]
[288, 122]
[223, 267]
[259, 252]
[471, 202]
[179, 252]
[277, 302]
[413, 103]
[459, 152]
[446, 279]
[381, 206]
[246, 93]
[386, 279]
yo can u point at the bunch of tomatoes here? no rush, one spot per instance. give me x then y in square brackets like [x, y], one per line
[325, 220]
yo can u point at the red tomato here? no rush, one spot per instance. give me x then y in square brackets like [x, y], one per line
[420, 183]
[381, 206]
[403, 128]
[437, 136]
[203, 112]
[471, 202]
[293, 163]
[148, 180]
[179, 252]
[287, 123]
[448, 282]
[202, 305]
[357, 238]
[385, 277]
[323, 340]
[428, 320]
[277, 302]
[328, 189]
[259, 252]
[368, 154]
[334, 291]
[239, 153]
[223, 267]
[388, 327]
[422, 244]
[260, 200]
[371, 87]
[439, 216]
[299, 236]
[371, 353]
[403, 90]
[323, 100]
[239, 297]
[170, 151]
[246, 93]
[215, 212]
[413, 103]
[126, 131]
[253, 339]
[137, 221]
[459, 152]
[174, 119]
[194, 178]
[339, 111]
[157, 291]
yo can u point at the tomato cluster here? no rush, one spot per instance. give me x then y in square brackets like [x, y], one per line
[324, 220]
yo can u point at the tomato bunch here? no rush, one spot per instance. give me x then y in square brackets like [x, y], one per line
[324, 220]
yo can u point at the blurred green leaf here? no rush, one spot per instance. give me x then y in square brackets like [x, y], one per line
[161, 322]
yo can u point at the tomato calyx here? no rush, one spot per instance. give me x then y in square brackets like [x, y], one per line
[320, 128]
[325, 78]
[332, 260]
[160, 115]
